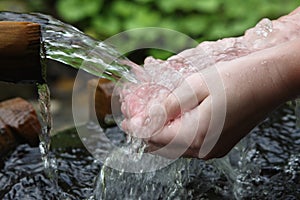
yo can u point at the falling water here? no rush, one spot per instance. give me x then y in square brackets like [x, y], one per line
[44, 101]
[64, 43]
[48, 158]
[246, 168]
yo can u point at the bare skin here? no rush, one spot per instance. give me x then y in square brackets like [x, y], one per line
[254, 86]
[213, 109]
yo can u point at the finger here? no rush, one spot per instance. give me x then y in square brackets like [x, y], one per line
[144, 126]
[188, 131]
[188, 55]
[124, 125]
[187, 96]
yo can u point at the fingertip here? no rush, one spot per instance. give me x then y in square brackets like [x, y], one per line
[124, 125]
[186, 96]
[172, 107]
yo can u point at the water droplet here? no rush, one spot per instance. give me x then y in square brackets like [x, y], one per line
[147, 121]
[264, 62]
[264, 27]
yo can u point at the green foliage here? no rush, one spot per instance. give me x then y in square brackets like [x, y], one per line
[76, 10]
[13, 5]
[171, 6]
[200, 19]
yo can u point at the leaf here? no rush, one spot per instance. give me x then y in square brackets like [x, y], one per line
[143, 18]
[124, 8]
[167, 6]
[208, 6]
[145, 1]
[160, 54]
[76, 10]
[106, 25]
[194, 24]
[189, 5]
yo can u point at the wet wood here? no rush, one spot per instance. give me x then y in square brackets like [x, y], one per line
[18, 123]
[100, 91]
[20, 51]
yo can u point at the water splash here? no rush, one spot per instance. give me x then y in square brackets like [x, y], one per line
[167, 183]
[261, 34]
[264, 28]
[66, 44]
[273, 156]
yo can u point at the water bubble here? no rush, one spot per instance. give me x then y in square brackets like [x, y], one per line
[264, 28]
[147, 121]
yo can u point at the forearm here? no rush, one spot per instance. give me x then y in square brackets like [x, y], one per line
[287, 59]
[266, 34]
[293, 60]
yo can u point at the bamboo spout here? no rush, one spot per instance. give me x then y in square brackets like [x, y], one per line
[20, 52]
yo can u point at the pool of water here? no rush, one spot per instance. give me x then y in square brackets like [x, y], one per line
[23, 177]
[266, 165]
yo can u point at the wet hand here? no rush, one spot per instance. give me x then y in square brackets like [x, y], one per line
[212, 110]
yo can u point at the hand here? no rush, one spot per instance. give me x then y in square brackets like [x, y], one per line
[210, 111]
[253, 86]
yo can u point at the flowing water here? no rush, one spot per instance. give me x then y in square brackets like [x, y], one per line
[263, 166]
[297, 112]
[66, 44]
[44, 101]
[267, 168]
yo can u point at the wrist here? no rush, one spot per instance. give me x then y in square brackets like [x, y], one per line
[290, 53]
[290, 66]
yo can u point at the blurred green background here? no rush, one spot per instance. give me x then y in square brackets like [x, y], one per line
[200, 19]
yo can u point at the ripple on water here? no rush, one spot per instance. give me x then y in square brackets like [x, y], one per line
[262, 172]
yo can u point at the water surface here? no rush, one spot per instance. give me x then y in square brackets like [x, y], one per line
[267, 168]
[265, 165]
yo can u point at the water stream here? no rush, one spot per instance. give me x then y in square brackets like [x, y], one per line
[64, 43]
[45, 136]
[267, 168]
[263, 166]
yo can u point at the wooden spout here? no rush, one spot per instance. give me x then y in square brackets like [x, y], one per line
[20, 51]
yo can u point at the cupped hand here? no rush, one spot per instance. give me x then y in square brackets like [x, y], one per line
[210, 111]
[236, 83]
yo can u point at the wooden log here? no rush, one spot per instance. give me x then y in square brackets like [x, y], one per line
[20, 52]
[19, 118]
[100, 94]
